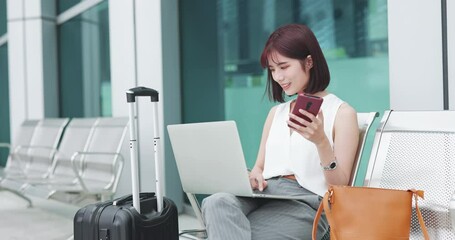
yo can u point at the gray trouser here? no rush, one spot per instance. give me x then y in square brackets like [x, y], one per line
[229, 217]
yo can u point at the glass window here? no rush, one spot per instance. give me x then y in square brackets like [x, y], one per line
[3, 21]
[4, 89]
[63, 5]
[4, 101]
[84, 68]
[352, 34]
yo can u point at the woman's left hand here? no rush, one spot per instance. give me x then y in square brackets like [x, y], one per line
[314, 130]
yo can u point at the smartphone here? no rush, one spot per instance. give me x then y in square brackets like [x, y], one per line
[307, 102]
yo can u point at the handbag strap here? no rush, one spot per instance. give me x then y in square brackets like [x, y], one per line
[419, 193]
[318, 216]
[325, 205]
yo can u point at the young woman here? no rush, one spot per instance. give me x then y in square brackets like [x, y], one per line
[292, 159]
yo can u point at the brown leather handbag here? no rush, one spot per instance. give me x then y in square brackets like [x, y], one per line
[369, 213]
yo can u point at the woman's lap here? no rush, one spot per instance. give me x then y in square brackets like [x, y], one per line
[285, 219]
[273, 219]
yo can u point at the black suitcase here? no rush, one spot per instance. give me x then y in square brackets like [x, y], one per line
[137, 216]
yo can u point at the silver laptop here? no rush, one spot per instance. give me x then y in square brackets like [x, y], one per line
[210, 159]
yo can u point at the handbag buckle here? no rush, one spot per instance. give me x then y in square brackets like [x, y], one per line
[330, 196]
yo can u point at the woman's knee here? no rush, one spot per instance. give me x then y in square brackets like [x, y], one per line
[219, 200]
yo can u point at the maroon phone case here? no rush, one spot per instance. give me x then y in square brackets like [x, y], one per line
[309, 103]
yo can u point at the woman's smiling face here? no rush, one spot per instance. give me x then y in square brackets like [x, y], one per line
[290, 73]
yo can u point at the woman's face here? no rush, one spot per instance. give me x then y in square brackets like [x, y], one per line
[289, 72]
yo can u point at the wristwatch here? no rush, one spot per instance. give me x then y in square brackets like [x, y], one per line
[331, 166]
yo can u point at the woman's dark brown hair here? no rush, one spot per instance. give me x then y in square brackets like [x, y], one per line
[296, 41]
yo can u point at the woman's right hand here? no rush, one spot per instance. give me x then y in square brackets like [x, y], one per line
[257, 181]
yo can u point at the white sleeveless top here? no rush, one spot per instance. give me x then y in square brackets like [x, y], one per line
[287, 153]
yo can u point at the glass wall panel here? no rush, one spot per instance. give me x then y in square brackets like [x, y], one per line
[2, 17]
[4, 103]
[63, 5]
[4, 89]
[84, 68]
[352, 34]
[203, 90]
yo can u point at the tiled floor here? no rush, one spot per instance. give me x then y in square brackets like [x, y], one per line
[48, 220]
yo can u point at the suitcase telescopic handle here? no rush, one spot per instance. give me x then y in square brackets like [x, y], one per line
[132, 93]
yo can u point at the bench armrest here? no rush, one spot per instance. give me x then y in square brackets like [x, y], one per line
[17, 154]
[77, 161]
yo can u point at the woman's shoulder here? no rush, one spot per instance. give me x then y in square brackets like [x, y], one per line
[346, 114]
[344, 109]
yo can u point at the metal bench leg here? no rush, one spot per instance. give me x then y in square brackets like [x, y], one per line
[196, 208]
[195, 233]
[19, 194]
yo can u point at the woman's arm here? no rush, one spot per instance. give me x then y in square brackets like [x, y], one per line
[256, 179]
[345, 143]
